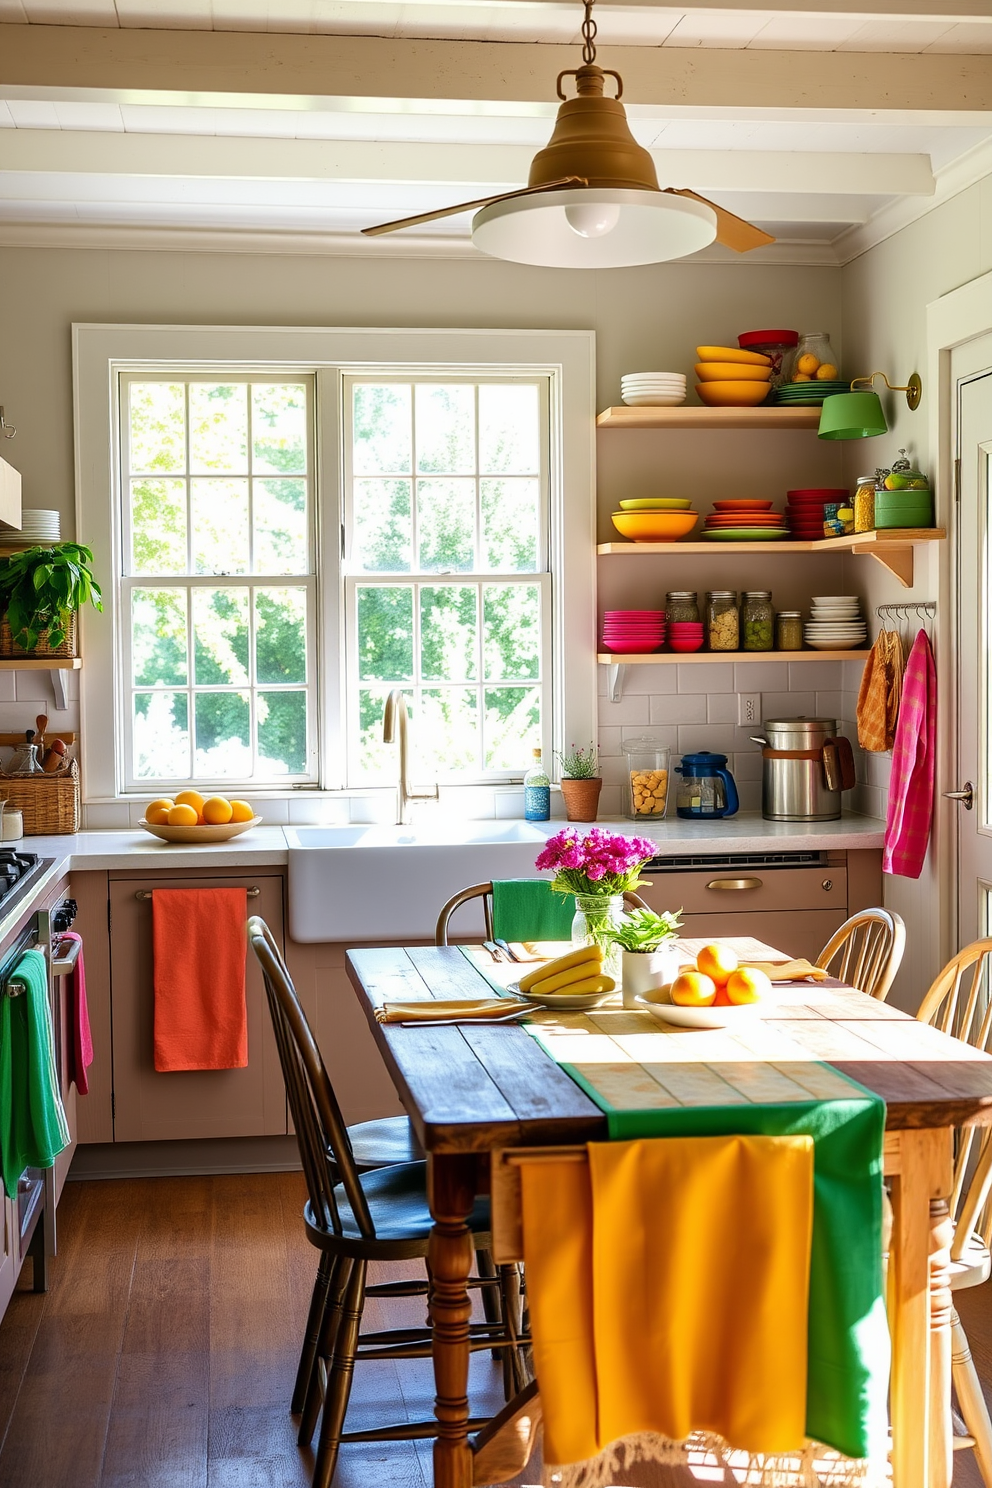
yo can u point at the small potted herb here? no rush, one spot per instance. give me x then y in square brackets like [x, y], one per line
[41, 589]
[650, 959]
[580, 782]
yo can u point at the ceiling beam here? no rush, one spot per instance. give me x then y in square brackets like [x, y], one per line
[225, 156]
[370, 67]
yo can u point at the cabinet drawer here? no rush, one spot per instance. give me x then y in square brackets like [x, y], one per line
[732, 890]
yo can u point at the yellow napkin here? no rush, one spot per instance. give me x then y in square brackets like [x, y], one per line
[463, 1010]
[634, 1280]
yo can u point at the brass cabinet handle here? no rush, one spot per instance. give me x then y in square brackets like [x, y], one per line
[734, 883]
[252, 893]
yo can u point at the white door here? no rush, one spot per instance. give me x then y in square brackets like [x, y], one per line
[972, 367]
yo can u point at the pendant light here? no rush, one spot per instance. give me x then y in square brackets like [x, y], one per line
[859, 415]
[592, 200]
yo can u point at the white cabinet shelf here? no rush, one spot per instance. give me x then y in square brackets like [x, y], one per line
[619, 661]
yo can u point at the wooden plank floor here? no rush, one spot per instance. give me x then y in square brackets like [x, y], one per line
[164, 1353]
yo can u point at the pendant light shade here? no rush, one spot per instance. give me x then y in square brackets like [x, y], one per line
[852, 416]
[593, 228]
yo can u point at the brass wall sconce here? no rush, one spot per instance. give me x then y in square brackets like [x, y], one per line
[913, 388]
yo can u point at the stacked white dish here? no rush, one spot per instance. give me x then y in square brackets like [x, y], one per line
[38, 526]
[653, 389]
[835, 623]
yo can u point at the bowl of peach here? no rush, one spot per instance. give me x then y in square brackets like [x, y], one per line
[190, 817]
[716, 992]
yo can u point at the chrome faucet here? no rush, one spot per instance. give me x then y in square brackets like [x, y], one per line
[396, 709]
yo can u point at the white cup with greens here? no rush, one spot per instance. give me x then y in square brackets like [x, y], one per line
[650, 957]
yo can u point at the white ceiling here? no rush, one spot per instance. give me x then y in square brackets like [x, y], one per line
[175, 159]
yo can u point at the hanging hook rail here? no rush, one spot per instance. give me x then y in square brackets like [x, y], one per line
[924, 609]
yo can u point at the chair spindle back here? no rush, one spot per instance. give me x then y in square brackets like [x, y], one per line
[867, 951]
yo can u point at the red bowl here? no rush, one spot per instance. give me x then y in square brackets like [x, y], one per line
[732, 506]
[633, 614]
[754, 340]
[819, 493]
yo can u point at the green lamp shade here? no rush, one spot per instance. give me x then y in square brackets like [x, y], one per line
[852, 416]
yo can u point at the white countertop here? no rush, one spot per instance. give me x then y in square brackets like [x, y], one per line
[747, 832]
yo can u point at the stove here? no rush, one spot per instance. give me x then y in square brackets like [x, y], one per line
[18, 872]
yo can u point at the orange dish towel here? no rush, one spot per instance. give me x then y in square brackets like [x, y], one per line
[199, 938]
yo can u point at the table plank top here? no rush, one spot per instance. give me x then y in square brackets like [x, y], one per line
[474, 1088]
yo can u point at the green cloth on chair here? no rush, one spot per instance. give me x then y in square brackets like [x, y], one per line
[33, 1128]
[528, 909]
[848, 1331]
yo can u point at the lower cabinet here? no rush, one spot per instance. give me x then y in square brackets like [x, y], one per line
[148, 1106]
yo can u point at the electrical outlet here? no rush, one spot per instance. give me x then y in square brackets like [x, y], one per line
[748, 708]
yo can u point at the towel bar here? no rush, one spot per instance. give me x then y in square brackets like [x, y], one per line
[12, 989]
[252, 893]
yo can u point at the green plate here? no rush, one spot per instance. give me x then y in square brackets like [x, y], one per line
[658, 503]
[746, 534]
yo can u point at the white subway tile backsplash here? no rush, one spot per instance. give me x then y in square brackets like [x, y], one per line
[107, 818]
[721, 707]
[818, 674]
[788, 704]
[609, 739]
[879, 768]
[630, 709]
[8, 687]
[664, 738]
[830, 704]
[678, 709]
[650, 679]
[747, 766]
[749, 792]
[719, 738]
[761, 676]
[610, 801]
[706, 677]
[33, 687]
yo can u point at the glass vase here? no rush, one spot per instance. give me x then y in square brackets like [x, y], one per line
[595, 916]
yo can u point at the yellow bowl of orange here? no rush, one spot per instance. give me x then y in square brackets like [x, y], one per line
[191, 817]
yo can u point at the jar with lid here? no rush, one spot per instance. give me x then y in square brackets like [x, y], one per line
[789, 630]
[778, 346]
[682, 606]
[864, 500]
[722, 620]
[815, 360]
[646, 786]
[757, 620]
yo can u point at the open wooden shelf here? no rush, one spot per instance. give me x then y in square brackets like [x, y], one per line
[41, 664]
[893, 547]
[686, 417]
[670, 658]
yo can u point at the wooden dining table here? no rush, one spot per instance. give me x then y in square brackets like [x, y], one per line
[479, 1095]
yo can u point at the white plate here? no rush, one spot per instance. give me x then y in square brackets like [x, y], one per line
[560, 1002]
[700, 1017]
[653, 400]
[650, 376]
[833, 599]
[843, 644]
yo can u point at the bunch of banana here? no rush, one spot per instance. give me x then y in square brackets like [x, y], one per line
[579, 972]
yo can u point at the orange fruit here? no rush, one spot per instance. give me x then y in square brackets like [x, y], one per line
[692, 989]
[722, 999]
[190, 798]
[802, 377]
[826, 372]
[717, 962]
[217, 811]
[157, 812]
[808, 363]
[241, 811]
[748, 985]
[181, 815]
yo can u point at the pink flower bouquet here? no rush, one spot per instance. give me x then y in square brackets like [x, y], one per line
[600, 863]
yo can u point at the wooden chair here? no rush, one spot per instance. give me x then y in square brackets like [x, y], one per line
[484, 891]
[959, 1003]
[352, 1219]
[868, 949]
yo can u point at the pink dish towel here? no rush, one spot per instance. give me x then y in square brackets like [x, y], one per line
[907, 824]
[81, 1051]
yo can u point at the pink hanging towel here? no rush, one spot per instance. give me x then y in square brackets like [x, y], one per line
[907, 824]
[81, 1041]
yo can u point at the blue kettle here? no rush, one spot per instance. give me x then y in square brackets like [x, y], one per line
[707, 790]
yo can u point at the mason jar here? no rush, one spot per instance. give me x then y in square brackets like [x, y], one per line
[596, 917]
[722, 620]
[758, 620]
[789, 630]
[682, 606]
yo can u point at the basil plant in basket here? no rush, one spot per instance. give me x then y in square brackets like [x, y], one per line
[41, 589]
[650, 957]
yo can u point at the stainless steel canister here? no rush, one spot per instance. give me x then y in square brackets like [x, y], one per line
[805, 768]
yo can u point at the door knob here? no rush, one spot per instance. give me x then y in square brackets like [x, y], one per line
[967, 795]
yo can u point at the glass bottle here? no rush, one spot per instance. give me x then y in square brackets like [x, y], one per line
[815, 360]
[758, 620]
[789, 630]
[722, 620]
[682, 606]
[537, 792]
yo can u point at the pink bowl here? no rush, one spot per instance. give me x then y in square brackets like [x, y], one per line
[635, 648]
[632, 614]
[686, 644]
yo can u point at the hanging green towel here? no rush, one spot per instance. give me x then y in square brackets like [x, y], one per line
[33, 1128]
[528, 909]
[848, 1332]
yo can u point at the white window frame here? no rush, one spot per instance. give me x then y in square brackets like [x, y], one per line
[567, 357]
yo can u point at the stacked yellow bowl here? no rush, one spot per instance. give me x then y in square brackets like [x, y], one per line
[731, 378]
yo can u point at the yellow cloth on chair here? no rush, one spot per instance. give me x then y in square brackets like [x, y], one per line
[668, 1284]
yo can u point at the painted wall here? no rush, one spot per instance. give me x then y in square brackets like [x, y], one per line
[885, 294]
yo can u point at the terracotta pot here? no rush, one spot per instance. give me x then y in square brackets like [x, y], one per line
[581, 798]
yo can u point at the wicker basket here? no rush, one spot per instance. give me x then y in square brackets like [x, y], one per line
[50, 803]
[43, 649]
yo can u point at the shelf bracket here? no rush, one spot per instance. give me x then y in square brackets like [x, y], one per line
[899, 561]
[616, 672]
[59, 689]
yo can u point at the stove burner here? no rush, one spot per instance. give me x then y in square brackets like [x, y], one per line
[18, 870]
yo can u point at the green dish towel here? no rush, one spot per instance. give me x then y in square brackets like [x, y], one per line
[528, 909]
[33, 1128]
[848, 1332]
